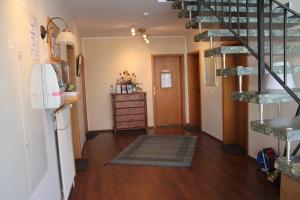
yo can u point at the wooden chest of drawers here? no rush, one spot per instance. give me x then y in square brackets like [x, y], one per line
[129, 111]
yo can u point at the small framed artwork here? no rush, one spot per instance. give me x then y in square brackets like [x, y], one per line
[129, 88]
[118, 89]
[54, 48]
[166, 79]
[79, 64]
[210, 71]
[124, 89]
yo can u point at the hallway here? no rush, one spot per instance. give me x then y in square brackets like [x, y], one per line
[216, 174]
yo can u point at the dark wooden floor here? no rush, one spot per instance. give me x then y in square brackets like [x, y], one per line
[215, 174]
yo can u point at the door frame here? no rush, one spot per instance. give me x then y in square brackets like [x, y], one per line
[199, 78]
[82, 78]
[182, 80]
[76, 137]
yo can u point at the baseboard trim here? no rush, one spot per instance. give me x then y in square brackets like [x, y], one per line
[213, 137]
[110, 130]
[100, 131]
[251, 158]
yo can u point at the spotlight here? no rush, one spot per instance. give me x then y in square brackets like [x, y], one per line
[142, 31]
[133, 31]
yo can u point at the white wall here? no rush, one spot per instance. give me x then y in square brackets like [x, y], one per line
[295, 5]
[26, 172]
[258, 141]
[105, 58]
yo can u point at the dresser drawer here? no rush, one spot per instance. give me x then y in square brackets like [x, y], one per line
[130, 104]
[136, 124]
[130, 118]
[129, 97]
[130, 111]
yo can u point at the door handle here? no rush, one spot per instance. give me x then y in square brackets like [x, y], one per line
[154, 90]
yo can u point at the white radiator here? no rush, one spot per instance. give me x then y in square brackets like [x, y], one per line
[65, 146]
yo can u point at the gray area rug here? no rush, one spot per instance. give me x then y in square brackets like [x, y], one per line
[173, 151]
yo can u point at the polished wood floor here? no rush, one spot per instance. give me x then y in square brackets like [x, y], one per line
[215, 174]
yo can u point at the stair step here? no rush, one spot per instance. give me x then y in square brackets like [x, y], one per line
[177, 4]
[291, 168]
[246, 71]
[237, 71]
[277, 50]
[226, 35]
[226, 50]
[270, 96]
[285, 128]
[210, 22]
[185, 13]
[234, 4]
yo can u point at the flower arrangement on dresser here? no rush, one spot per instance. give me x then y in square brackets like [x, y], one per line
[126, 84]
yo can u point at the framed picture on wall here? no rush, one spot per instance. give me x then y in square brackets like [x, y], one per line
[53, 47]
[79, 64]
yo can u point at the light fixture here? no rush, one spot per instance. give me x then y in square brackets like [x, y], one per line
[145, 36]
[272, 84]
[142, 31]
[132, 31]
[65, 36]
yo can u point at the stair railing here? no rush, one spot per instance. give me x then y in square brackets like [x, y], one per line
[212, 5]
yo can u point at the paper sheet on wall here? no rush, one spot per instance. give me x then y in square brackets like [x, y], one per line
[166, 80]
[33, 34]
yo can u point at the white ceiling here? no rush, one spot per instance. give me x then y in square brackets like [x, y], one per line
[109, 18]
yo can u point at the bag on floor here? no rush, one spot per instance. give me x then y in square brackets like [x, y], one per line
[265, 160]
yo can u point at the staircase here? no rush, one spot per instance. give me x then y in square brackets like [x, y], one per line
[268, 31]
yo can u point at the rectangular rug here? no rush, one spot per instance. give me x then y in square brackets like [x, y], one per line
[173, 151]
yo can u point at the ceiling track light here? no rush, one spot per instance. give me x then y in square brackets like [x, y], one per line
[132, 31]
[145, 36]
[142, 31]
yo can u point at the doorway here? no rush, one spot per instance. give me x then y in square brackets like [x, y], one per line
[168, 90]
[235, 114]
[74, 111]
[194, 90]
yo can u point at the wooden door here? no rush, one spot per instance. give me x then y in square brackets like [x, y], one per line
[167, 75]
[235, 114]
[194, 90]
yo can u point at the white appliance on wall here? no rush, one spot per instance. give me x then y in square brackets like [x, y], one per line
[53, 86]
[53, 89]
